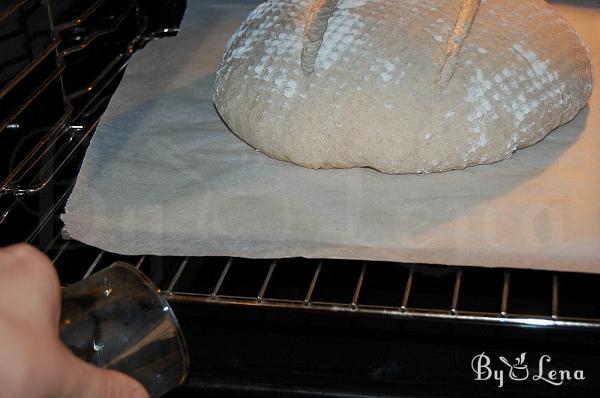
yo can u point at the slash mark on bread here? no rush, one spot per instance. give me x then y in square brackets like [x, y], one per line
[464, 22]
[314, 31]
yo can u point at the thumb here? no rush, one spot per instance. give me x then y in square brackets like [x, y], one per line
[88, 381]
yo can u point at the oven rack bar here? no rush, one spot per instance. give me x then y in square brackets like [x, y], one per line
[413, 313]
[33, 96]
[14, 6]
[86, 41]
[81, 17]
[47, 52]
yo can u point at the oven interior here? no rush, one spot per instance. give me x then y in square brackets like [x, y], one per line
[293, 327]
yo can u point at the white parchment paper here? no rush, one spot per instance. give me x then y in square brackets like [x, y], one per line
[163, 175]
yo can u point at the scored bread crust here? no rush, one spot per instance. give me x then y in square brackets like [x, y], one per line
[398, 85]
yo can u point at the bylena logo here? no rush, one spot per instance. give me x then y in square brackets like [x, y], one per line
[519, 371]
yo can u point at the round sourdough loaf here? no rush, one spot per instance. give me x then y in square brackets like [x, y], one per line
[401, 86]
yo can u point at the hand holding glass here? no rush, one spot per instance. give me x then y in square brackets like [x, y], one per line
[117, 319]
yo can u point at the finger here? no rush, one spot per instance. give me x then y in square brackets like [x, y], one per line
[29, 278]
[88, 381]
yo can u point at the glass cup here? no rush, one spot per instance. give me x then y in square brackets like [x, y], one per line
[117, 319]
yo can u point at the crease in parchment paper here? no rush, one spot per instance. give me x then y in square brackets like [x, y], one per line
[163, 175]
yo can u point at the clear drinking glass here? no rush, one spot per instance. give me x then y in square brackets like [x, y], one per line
[117, 319]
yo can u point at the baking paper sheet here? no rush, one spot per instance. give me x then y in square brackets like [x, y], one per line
[164, 176]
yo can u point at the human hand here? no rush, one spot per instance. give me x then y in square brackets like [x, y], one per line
[34, 363]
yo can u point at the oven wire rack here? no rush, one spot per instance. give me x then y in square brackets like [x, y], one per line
[39, 166]
[211, 281]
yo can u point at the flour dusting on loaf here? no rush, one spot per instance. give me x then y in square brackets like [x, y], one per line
[372, 98]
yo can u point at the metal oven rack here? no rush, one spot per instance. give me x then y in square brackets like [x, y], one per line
[396, 290]
[64, 63]
[35, 160]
